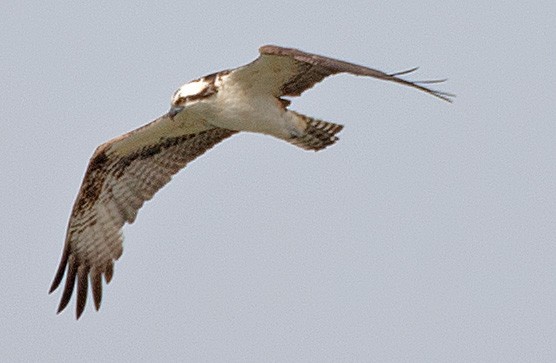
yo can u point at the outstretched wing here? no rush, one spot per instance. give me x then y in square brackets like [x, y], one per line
[289, 72]
[122, 174]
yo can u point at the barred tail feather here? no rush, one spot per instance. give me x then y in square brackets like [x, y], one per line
[317, 135]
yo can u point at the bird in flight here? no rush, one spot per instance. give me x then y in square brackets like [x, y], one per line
[128, 170]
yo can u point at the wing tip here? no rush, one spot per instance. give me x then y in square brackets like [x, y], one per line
[75, 274]
[445, 96]
[53, 287]
[80, 277]
[60, 272]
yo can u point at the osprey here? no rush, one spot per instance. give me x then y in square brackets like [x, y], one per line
[128, 170]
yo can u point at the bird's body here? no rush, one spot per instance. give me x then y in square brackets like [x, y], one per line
[128, 170]
[238, 108]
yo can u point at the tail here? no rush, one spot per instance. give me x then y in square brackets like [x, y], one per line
[318, 134]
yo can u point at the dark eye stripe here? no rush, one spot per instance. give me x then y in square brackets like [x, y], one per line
[180, 101]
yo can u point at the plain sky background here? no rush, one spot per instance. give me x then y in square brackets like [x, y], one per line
[427, 233]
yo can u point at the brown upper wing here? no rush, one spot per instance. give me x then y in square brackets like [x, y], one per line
[289, 72]
[121, 176]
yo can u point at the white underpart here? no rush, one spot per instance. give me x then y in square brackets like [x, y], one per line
[239, 108]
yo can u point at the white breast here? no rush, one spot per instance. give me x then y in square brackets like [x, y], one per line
[243, 109]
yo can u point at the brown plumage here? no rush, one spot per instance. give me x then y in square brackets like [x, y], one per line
[113, 190]
[126, 171]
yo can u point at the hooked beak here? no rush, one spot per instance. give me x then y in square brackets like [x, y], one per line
[174, 110]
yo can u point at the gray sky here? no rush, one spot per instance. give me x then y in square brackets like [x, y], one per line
[425, 234]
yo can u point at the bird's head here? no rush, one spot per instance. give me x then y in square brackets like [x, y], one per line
[192, 93]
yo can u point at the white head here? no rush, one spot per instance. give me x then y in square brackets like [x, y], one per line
[189, 90]
[192, 92]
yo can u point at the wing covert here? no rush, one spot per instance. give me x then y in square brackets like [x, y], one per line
[122, 175]
[289, 72]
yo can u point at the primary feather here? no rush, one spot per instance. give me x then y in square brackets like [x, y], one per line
[126, 171]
